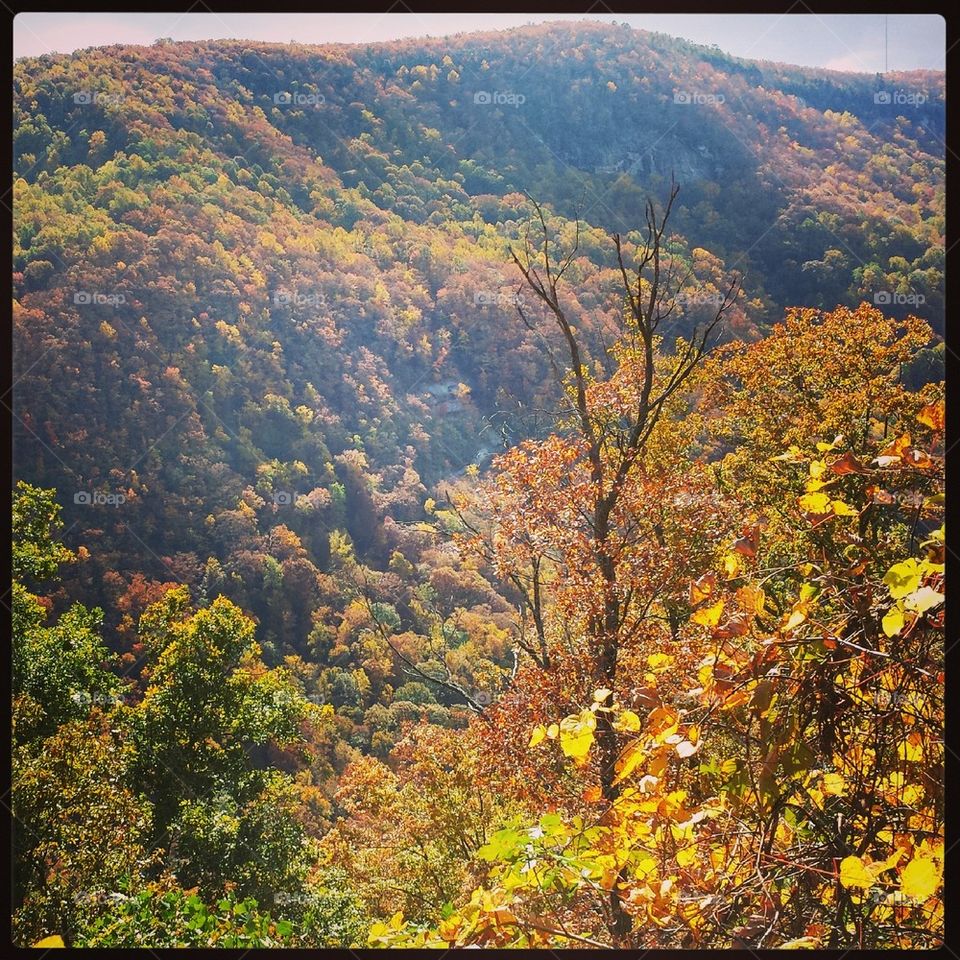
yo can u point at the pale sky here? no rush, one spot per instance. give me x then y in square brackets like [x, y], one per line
[868, 43]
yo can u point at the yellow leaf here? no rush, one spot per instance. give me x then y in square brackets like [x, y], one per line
[834, 784]
[646, 867]
[627, 722]
[709, 616]
[792, 454]
[552, 731]
[801, 943]
[663, 721]
[686, 855]
[920, 879]
[601, 694]
[892, 622]
[911, 749]
[797, 616]
[54, 941]
[659, 661]
[576, 734]
[731, 565]
[817, 503]
[539, 734]
[903, 578]
[891, 861]
[629, 760]
[854, 873]
[842, 509]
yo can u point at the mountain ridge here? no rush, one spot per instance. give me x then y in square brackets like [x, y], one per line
[231, 265]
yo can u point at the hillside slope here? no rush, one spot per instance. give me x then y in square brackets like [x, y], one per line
[275, 278]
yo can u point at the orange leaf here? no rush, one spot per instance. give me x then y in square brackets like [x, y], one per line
[747, 544]
[879, 495]
[932, 415]
[848, 463]
[897, 448]
[751, 598]
[702, 588]
[736, 626]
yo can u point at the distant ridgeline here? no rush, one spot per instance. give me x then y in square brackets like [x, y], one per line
[265, 287]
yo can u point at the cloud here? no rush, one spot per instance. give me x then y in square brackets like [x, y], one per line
[856, 62]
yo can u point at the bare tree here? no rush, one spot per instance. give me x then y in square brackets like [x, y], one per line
[615, 448]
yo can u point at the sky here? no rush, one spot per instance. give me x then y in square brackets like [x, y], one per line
[869, 43]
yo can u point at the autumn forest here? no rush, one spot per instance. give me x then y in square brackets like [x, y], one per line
[483, 491]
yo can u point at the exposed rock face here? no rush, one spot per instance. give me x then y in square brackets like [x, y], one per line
[665, 153]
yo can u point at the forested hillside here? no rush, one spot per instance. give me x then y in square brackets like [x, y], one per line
[435, 528]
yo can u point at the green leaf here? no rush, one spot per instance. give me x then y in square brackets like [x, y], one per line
[551, 824]
[503, 845]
